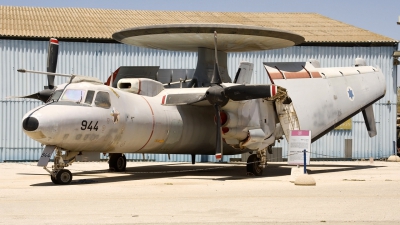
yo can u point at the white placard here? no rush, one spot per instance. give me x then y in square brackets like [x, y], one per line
[46, 154]
[299, 141]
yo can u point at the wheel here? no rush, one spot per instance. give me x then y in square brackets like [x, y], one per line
[117, 162]
[64, 177]
[54, 180]
[253, 165]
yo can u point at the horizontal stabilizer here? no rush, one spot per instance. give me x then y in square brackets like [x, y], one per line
[173, 76]
[166, 76]
[369, 118]
[149, 72]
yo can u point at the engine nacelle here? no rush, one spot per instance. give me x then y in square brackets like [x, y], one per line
[140, 86]
[256, 140]
[230, 128]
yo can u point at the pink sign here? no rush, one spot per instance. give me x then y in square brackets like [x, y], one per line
[300, 133]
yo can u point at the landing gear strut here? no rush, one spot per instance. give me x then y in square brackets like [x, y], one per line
[117, 162]
[256, 163]
[58, 174]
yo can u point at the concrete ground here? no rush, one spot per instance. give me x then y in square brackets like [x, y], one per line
[205, 193]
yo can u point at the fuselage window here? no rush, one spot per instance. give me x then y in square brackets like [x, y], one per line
[74, 95]
[89, 97]
[56, 95]
[102, 100]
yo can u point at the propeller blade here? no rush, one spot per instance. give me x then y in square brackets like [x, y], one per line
[43, 95]
[246, 92]
[52, 56]
[219, 147]
[216, 79]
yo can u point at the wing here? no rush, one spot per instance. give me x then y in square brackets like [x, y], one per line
[323, 98]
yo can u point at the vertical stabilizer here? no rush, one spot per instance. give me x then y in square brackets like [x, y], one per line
[244, 73]
[368, 114]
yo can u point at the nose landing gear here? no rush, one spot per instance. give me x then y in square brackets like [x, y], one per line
[58, 174]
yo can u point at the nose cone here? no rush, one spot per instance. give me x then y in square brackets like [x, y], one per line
[30, 123]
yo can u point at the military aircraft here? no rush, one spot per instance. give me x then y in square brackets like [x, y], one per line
[134, 114]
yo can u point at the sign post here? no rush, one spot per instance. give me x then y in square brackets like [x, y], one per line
[299, 154]
[305, 163]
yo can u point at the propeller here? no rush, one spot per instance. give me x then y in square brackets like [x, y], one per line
[52, 55]
[218, 96]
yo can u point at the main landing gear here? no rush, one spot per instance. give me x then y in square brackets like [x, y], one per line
[117, 162]
[256, 163]
[58, 174]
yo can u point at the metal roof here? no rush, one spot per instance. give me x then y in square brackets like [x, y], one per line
[99, 24]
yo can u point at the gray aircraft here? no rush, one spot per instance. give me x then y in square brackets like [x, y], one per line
[136, 113]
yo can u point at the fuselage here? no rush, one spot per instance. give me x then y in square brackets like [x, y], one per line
[92, 117]
[88, 116]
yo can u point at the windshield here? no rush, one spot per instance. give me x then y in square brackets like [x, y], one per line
[74, 95]
[56, 95]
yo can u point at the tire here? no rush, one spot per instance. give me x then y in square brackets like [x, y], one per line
[54, 180]
[253, 167]
[64, 177]
[117, 162]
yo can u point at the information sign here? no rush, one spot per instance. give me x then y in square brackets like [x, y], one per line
[299, 141]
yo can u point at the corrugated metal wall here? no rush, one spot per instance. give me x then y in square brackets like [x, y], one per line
[101, 59]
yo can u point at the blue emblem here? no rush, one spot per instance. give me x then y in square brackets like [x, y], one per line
[350, 93]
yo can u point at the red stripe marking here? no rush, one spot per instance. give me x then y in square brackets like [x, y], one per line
[152, 130]
[309, 74]
[283, 75]
[114, 75]
[274, 75]
[273, 87]
[218, 156]
[316, 74]
[54, 41]
[163, 100]
[297, 75]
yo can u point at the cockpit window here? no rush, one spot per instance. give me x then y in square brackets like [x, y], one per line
[73, 95]
[56, 95]
[102, 100]
[89, 97]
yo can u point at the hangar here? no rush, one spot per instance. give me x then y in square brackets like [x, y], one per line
[87, 48]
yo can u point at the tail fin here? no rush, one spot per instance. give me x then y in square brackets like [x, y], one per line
[244, 73]
[368, 114]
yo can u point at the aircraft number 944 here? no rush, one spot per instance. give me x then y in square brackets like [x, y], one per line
[85, 125]
[46, 155]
